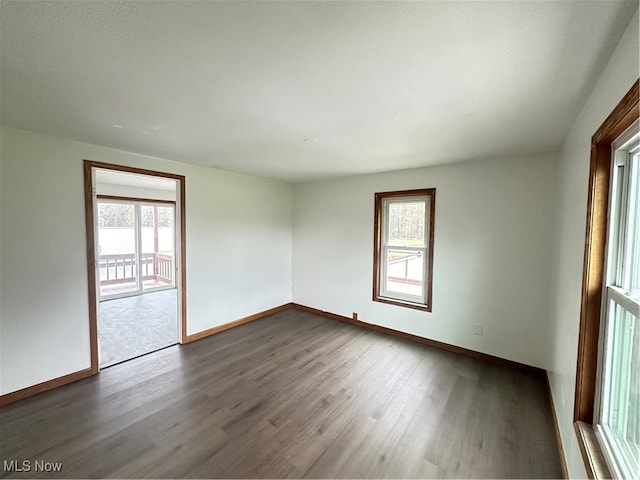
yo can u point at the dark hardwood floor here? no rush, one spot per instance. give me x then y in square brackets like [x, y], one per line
[290, 395]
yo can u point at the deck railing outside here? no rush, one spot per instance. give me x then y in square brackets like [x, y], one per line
[121, 268]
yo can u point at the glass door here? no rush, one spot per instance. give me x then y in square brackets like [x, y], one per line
[136, 247]
[157, 246]
[118, 239]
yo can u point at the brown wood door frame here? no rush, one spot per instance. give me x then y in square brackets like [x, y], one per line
[89, 166]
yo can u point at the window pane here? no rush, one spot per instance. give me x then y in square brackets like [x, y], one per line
[117, 248]
[404, 272]
[165, 230]
[621, 416]
[157, 246]
[148, 223]
[406, 223]
[631, 259]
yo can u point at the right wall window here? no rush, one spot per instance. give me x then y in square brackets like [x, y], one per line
[617, 416]
[607, 395]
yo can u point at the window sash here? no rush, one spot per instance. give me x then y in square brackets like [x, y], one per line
[388, 245]
[617, 418]
[613, 449]
[631, 257]
[393, 294]
[424, 199]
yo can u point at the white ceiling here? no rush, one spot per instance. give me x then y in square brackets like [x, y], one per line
[305, 90]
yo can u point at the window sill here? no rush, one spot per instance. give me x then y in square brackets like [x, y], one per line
[592, 455]
[400, 303]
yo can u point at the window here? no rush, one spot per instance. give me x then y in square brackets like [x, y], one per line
[617, 419]
[606, 395]
[403, 248]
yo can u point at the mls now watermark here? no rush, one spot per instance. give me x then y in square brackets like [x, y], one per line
[31, 466]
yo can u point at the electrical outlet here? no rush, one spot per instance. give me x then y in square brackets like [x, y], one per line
[355, 315]
[477, 329]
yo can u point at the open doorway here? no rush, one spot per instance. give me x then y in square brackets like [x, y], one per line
[135, 240]
[138, 310]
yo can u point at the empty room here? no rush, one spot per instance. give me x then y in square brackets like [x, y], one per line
[319, 239]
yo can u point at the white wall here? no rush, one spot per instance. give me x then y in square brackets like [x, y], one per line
[238, 232]
[619, 75]
[492, 258]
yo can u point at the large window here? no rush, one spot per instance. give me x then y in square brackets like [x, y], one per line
[606, 411]
[403, 248]
[617, 417]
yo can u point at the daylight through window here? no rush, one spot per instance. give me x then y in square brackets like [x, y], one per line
[403, 248]
[618, 415]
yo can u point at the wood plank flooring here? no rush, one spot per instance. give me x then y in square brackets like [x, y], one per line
[291, 395]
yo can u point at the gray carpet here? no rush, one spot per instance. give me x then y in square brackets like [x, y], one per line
[133, 326]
